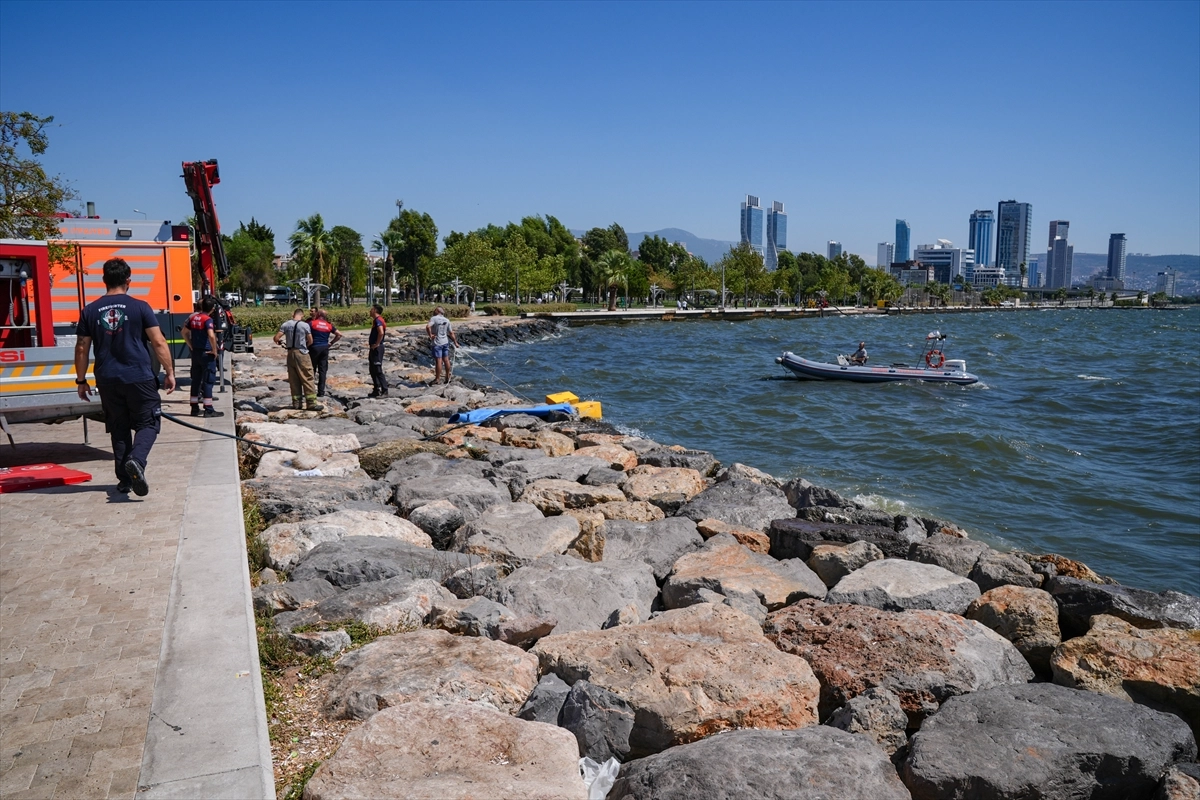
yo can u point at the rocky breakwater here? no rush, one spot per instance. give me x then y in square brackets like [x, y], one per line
[549, 589]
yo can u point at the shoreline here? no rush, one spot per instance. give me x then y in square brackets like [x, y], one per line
[519, 501]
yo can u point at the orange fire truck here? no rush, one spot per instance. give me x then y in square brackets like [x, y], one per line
[40, 301]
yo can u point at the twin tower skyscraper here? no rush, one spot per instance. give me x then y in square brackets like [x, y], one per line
[752, 230]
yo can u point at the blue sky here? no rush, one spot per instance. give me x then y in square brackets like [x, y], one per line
[652, 115]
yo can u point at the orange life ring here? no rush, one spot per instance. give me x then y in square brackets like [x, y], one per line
[935, 355]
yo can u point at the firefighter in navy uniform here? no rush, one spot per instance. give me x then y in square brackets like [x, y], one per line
[324, 334]
[201, 340]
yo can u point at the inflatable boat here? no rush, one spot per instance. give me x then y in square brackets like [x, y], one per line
[935, 369]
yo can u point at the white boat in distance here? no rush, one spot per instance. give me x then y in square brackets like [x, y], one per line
[936, 369]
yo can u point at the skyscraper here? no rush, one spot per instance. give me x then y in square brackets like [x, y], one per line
[903, 232]
[834, 250]
[948, 262]
[980, 239]
[884, 253]
[1059, 256]
[752, 223]
[776, 235]
[1166, 281]
[1012, 239]
[1116, 257]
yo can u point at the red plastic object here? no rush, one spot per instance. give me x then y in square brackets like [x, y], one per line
[38, 476]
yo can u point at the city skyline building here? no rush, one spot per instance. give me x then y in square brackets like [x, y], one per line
[833, 250]
[752, 223]
[980, 237]
[1116, 257]
[776, 235]
[947, 261]
[1012, 239]
[903, 235]
[884, 255]
[1166, 281]
[1059, 256]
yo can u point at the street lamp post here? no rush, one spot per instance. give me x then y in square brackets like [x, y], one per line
[722, 284]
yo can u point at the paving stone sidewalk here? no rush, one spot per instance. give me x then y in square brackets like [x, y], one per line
[100, 594]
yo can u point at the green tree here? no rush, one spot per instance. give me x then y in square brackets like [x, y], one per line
[472, 259]
[259, 232]
[597, 242]
[415, 244]
[879, 284]
[386, 242]
[612, 273]
[518, 258]
[310, 245]
[29, 198]
[251, 268]
[744, 272]
[349, 258]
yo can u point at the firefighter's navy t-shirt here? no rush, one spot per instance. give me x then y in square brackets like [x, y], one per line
[117, 325]
[198, 325]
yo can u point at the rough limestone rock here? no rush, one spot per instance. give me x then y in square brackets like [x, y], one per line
[948, 552]
[440, 519]
[471, 496]
[546, 700]
[450, 751]
[518, 474]
[1043, 741]
[555, 496]
[795, 538]
[475, 580]
[687, 674]
[393, 604]
[895, 585]
[430, 665]
[1003, 569]
[601, 476]
[658, 544]
[295, 499]
[802, 494]
[479, 616]
[378, 458]
[1158, 667]
[739, 502]
[276, 464]
[581, 595]
[361, 559]
[635, 511]
[724, 566]
[1080, 600]
[1026, 617]
[551, 443]
[287, 542]
[289, 596]
[876, 713]
[646, 482]
[743, 472]
[617, 457]
[320, 644]
[427, 464]
[817, 763]
[601, 721]
[590, 544]
[832, 562]
[757, 541]
[298, 438]
[1181, 782]
[922, 656]
[699, 460]
[515, 534]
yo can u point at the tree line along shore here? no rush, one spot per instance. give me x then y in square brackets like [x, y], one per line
[550, 588]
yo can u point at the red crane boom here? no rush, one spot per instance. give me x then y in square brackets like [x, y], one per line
[200, 177]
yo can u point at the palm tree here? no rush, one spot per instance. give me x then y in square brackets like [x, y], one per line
[612, 273]
[310, 242]
[386, 242]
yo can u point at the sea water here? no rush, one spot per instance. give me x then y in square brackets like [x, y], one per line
[1081, 438]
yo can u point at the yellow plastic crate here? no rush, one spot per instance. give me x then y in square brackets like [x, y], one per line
[588, 408]
[562, 397]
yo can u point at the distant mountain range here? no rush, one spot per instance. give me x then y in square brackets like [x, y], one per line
[709, 249]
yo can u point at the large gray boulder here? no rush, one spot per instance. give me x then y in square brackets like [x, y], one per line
[362, 559]
[470, 495]
[1044, 741]
[287, 542]
[658, 544]
[876, 713]
[427, 465]
[1025, 616]
[546, 700]
[701, 461]
[816, 763]
[289, 596]
[922, 656]
[440, 519]
[795, 538]
[515, 534]
[394, 603]
[581, 595]
[948, 552]
[1079, 601]
[895, 585]
[802, 494]
[292, 499]
[439, 750]
[728, 568]
[601, 721]
[832, 562]
[1003, 569]
[519, 474]
[739, 502]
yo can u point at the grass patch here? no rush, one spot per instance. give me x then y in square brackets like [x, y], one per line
[513, 310]
[296, 790]
[253, 522]
[267, 319]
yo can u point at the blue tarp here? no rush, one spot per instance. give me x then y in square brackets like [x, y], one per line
[483, 414]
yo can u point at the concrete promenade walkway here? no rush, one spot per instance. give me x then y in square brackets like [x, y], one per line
[128, 660]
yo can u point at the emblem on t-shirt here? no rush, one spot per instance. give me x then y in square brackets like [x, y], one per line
[113, 318]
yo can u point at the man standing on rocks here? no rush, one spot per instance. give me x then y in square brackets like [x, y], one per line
[120, 327]
[440, 335]
[201, 339]
[375, 353]
[322, 329]
[296, 336]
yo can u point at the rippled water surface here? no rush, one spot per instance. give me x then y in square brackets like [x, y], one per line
[1082, 438]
